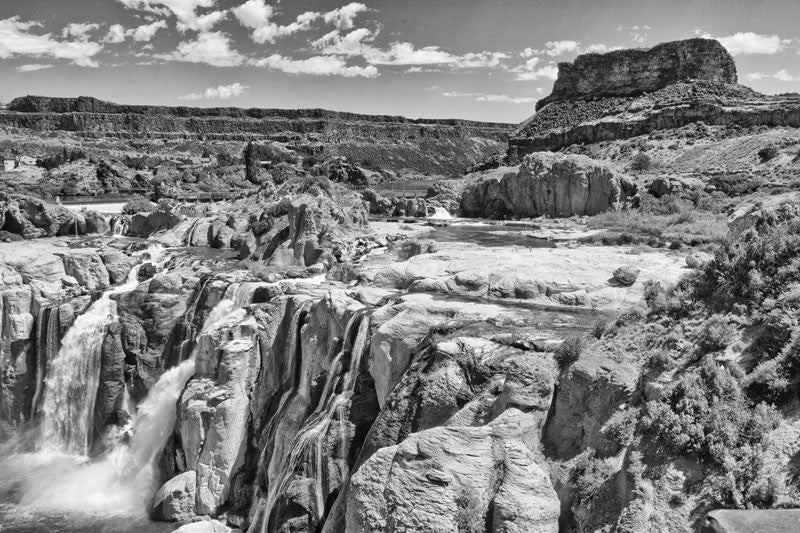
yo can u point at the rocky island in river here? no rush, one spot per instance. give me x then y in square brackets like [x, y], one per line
[588, 323]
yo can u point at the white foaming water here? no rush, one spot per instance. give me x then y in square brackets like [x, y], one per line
[440, 213]
[73, 376]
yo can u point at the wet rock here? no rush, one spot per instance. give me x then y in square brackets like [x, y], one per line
[174, 500]
[117, 264]
[88, 268]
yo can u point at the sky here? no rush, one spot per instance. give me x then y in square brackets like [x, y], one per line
[482, 60]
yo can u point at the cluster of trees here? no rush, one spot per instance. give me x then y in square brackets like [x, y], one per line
[56, 160]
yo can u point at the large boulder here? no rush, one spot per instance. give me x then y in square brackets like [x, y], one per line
[446, 479]
[547, 184]
[174, 500]
[31, 217]
[163, 218]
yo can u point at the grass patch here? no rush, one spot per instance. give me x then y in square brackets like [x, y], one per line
[657, 222]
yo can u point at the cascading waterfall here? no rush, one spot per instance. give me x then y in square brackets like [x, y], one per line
[308, 446]
[122, 481]
[73, 374]
[440, 213]
[119, 225]
[46, 348]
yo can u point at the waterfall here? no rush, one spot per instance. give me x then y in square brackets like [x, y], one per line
[119, 225]
[47, 343]
[440, 213]
[122, 481]
[308, 448]
[73, 375]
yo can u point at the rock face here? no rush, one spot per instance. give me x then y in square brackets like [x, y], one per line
[554, 185]
[637, 71]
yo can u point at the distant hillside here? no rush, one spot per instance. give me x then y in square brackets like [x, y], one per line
[399, 144]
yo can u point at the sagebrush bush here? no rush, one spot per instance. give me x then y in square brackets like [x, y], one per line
[641, 162]
[569, 351]
[470, 512]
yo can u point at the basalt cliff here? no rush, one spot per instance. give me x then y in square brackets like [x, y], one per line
[627, 93]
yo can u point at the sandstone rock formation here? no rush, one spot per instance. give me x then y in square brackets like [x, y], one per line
[553, 185]
[31, 218]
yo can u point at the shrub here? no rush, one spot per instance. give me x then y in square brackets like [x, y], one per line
[767, 153]
[470, 514]
[138, 204]
[641, 162]
[716, 335]
[569, 351]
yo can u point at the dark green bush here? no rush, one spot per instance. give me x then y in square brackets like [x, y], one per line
[138, 204]
[569, 351]
[641, 162]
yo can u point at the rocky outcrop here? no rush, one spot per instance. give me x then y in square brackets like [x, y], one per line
[627, 93]
[553, 185]
[31, 218]
[162, 219]
[394, 206]
[637, 71]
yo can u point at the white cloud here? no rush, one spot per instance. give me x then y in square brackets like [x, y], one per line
[202, 22]
[748, 43]
[256, 14]
[557, 48]
[33, 67]
[16, 39]
[344, 17]
[491, 98]
[549, 72]
[184, 10]
[116, 34]
[145, 32]
[529, 52]
[781, 75]
[599, 48]
[211, 48]
[79, 30]
[357, 44]
[223, 92]
[316, 66]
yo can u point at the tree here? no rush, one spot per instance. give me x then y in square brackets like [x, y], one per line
[252, 163]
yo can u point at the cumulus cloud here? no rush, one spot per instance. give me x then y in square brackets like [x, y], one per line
[145, 32]
[222, 92]
[638, 34]
[116, 34]
[18, 39]
[316, 66]
[557, 48]
[256, 15]
[781, 75]
[749, 43]
[491, 98]
[344, 17]
[358, 43]
[530, 70]
[186, 11]
[211, 48]
[33, 67]
[79, 30]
